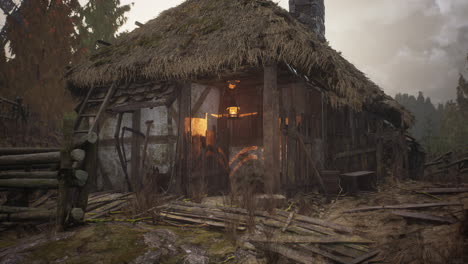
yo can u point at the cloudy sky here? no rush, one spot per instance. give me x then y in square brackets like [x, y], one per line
[403, 45]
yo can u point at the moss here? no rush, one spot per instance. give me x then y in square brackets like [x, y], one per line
[104, 243]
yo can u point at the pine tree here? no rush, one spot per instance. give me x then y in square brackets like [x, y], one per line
[462, 94]
[102, 19]
[42, 45]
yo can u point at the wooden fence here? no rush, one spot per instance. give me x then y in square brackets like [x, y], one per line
[28, 169]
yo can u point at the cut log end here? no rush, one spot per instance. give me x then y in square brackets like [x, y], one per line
[80, 177]
[78, 155]
[77, 215]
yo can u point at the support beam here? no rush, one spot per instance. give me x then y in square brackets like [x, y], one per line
[69, 121]
[379, 151]
[136, 106]
[183, 140]
[271, 130]
[135, 151]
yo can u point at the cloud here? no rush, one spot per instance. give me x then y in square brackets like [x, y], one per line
[403, 45]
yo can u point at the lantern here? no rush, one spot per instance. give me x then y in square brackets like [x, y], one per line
[233, 111]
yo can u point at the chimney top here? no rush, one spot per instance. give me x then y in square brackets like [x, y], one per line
[311, 13]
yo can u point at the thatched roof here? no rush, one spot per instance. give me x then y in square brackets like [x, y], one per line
[202, 38]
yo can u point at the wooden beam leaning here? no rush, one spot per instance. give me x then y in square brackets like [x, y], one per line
[28, 174]
[27, 159]
[135, 106]
[271, 130]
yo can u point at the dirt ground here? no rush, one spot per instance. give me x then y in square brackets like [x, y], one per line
[399, 240]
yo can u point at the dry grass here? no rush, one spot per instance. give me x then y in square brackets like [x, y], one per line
[401, 240]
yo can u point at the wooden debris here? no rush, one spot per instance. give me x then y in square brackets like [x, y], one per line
[316, 221]
[402, 206]
[324, 253]
[288, 222]
[365, 257]
[295, 239]
[292, 254]
[427, 217]
[445, 190]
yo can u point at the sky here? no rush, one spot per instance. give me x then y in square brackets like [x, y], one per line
[403, 45]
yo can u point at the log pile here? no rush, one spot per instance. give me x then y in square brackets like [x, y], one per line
[297, 237]
[23, 170]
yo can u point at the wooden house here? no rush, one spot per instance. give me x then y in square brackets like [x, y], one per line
[214, 95]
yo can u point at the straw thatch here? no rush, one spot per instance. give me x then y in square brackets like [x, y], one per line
[203, 38]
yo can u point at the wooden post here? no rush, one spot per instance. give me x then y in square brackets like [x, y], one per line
[183, 128]
[90, 166]
[271, 130]
[135, 152]
[291, 140]
[65, 171]
[379, 150]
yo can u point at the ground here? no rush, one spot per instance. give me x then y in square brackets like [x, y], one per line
[398, 239]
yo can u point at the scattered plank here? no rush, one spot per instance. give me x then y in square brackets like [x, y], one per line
[316, 221]
[402, 206]
[292, 254]
[295, 239]
[427, 217]
[197, 221]
[323, 253]
[365, 257]
[445, 190]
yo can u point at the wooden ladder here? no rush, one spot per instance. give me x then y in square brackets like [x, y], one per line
[104, 102]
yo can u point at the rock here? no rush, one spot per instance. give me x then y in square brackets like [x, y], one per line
[195, 255]
[195, 259]
[150, 257]
[157, 238]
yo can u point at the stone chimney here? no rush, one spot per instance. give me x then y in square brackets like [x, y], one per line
[311, 13]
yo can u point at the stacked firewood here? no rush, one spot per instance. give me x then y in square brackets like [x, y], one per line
[24, 170]
[297, 237]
